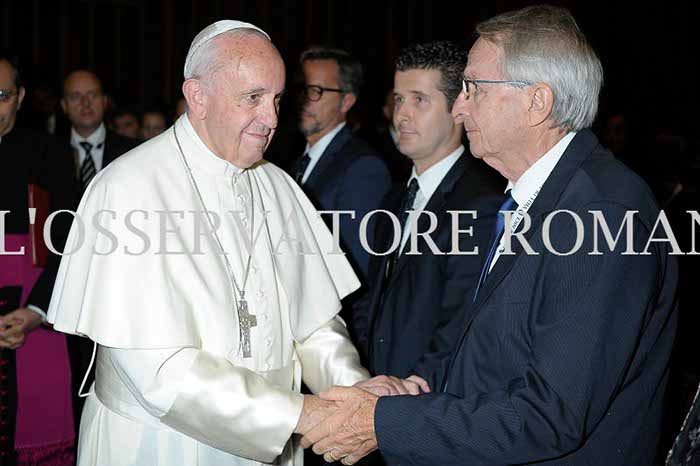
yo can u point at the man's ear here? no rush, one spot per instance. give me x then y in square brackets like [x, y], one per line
[349, 100]
[195, 96]
[20, 97]
[541, 104]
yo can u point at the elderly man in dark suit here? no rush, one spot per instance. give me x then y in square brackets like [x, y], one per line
[564, 347]
[417, 289]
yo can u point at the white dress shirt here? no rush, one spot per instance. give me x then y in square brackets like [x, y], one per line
[428, 182]
[528, 186]
[97, 139]
[316, 151]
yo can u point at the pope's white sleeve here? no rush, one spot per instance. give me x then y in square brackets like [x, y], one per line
[211, 400]
[329, 358]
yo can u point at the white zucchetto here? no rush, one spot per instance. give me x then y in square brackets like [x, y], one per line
[211, 31]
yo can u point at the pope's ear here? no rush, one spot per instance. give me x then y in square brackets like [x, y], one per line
[194, 93]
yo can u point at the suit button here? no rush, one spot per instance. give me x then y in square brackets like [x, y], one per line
[381, 340]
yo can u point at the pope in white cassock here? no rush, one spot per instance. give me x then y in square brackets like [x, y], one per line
[201, 355]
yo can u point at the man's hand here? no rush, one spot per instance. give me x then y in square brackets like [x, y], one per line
[16, 325]
[383, 385]
[314, 411]
[348, 434]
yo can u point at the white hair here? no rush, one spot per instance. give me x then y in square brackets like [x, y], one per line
[203, 58]
[543, 44]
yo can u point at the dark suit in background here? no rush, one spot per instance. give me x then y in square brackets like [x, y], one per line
[350, 175]
[563, 360]
[425, 291]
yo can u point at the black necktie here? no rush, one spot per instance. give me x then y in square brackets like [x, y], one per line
[301, 168]
[87, 169]
[508, 205]
[406, 205]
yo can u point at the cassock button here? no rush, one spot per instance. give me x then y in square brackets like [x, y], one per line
[241, 199]
[253, 270]
[265, 317]
[268, 342]
[261, 294]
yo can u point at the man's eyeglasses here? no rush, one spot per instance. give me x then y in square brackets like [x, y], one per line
[6, 95]
[315, 93]
[470, 86]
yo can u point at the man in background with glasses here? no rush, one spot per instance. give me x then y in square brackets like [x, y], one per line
[338, 170]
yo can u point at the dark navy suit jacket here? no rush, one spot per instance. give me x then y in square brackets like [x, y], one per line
[563, 360]
[425, 291]
[350, 175]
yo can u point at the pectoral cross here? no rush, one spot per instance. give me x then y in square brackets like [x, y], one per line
[246, 322]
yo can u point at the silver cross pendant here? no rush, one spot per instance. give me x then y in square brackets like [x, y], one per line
[246, 322]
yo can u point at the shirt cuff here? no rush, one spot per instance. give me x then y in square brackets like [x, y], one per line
[38, 311]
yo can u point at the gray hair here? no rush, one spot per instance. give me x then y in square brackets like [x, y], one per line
[350, 73]
[544, 44]
[206, 60]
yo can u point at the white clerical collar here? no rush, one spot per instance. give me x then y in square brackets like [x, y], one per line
[96, 138]
[430, 179]
[316, 151]
[525, 189]
[202, 157]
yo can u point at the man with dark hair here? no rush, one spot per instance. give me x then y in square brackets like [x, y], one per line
[125, 122]
[398, 319]
[153, 123]
[84, 102]
[563, 353]
[338, 170]
[34, 173]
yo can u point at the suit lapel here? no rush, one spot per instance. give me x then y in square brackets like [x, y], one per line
[326, 160]
[436, 204]
[579, 149]
[108, 152]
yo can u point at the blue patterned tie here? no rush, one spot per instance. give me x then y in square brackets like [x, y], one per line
[508, 205]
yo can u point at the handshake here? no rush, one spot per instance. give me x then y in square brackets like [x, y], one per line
[339, 422]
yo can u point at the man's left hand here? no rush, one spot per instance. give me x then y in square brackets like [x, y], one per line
[15, 326]
[347, 435]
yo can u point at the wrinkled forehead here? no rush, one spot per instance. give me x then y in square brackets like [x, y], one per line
[251, 60]
[484, 60]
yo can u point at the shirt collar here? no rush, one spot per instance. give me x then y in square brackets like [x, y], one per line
[96, 138]
[316, 151]
[534, 177]
[430, 179]
[199, 155]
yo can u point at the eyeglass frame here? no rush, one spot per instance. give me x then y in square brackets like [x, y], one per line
[7, 94]
[465, 83]
[321, 91]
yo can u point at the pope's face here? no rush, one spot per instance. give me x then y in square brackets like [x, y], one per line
[242, 103]
[11, 99]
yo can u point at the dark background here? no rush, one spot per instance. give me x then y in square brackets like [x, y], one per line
[138, 47]
[648, 51]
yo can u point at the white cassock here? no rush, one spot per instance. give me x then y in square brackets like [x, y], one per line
[172, 386]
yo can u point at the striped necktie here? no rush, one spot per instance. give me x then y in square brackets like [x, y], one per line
[87, 169]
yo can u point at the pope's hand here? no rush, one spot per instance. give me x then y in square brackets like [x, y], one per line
[383, 385]
[16, 325]
[348, 434]
[314, 411]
